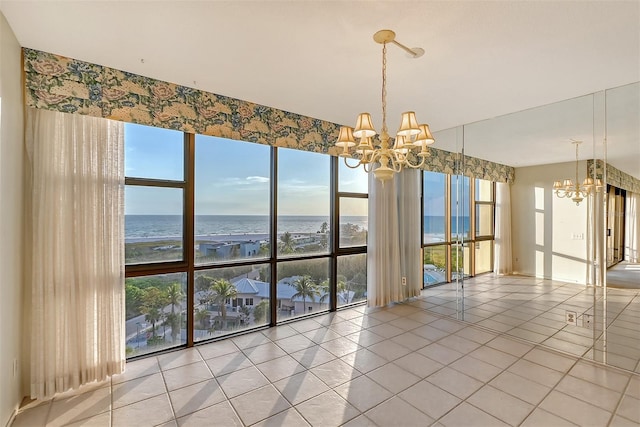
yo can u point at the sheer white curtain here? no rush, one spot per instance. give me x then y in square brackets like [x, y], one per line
[76, 232]
[394, 239]
[597, 241]
[408, 188]
[502, 262]
[632, 228]
[383, 245]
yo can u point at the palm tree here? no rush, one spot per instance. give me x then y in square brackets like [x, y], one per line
[175, 295]
[222, 290]
[286, 243]
[305, 288]
[342, 288]
[153, 301]
[201, 316]
[324, 290]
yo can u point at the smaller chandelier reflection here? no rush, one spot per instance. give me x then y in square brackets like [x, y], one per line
[573, 189]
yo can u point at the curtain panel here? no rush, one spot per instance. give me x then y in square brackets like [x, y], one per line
[503, 261]
[393, 246]
[632, 228]
[76, 243]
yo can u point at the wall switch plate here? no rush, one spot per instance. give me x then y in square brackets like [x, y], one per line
[404, 281]
[15, 368]
[571, 317]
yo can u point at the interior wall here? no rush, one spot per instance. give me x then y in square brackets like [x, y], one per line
[11, 213]
[549, 234]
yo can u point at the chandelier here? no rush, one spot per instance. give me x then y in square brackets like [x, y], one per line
[409, 147]
[576, 191]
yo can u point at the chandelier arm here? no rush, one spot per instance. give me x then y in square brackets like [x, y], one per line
[415, 165]
[396, 164]
[349, 166]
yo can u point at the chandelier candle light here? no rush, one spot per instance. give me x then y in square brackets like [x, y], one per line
[576, 191]
[411, 139]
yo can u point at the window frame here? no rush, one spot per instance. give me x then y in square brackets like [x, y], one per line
[189, 266]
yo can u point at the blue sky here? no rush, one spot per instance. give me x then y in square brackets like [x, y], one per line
[232, 177]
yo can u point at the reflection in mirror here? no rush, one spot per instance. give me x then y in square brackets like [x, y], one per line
[553, 296]
[623, 186]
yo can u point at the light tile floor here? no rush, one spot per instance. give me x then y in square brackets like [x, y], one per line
[535, 310]
[406, 364]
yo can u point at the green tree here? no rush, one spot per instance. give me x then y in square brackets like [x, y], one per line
[342, 289]
[243, 314]
[305, 288]
[133, 299]
[203, 283]
[153, 302]
[265, 249]
[175, 296]
[260, 311]
[222, 290]
[286, 243]
[200, 315]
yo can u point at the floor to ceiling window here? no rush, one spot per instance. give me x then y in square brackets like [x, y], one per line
[223, 236]
[484, 216]
[458, 214]
[156, 186]
[351, 248]
[436, 246]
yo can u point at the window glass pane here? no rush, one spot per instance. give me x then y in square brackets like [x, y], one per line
[460, 207]
[303, 287]
[435, 265]
[352, 180]
[230, 299]
[303, 201]
[153, 224]
[434, 207]
[484, 190]
[353, 221]
[155, 313]
[484, 256]
[352, 279]
[153, 152]
[231, 200]
[460, 261]
[484, 220]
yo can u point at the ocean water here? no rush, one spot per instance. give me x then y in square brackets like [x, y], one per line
[163, 226]
[156, 226]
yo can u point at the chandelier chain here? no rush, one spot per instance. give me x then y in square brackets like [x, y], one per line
[384, 88]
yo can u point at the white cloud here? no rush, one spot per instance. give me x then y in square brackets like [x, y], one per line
[257, 179]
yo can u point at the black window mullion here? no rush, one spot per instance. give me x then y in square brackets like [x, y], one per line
[273, 286]
[189, 230]
[334, 221]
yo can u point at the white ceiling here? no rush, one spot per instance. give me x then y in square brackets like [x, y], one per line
[483, 59]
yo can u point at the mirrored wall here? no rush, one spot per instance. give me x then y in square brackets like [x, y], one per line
[575, 282]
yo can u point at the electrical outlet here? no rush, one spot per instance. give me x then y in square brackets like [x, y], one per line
[587, 321]
[404, 281]
[571, 318]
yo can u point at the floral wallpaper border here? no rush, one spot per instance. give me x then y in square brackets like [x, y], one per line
[615, 177]
[68, 85]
